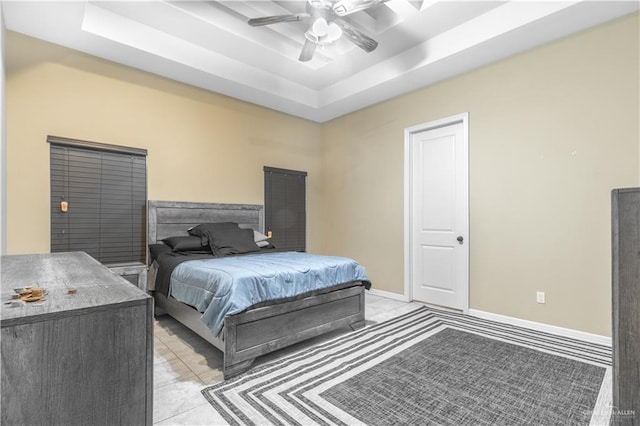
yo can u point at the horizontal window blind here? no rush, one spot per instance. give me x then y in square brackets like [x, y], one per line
[105, 189]
[285, 208]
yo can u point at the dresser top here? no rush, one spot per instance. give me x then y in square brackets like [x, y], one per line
[96, 287]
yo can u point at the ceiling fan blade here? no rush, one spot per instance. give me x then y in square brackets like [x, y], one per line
[347, 7]
[358, 38]
[308, 50]
[268, 20]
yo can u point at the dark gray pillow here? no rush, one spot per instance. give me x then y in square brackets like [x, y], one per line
[232, 241]
[205, 229]
[185, 243]
[157, 249]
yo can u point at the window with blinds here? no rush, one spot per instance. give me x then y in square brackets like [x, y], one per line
[285, 214]
[98, 200]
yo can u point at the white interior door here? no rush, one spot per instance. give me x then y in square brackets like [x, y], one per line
[439, 213]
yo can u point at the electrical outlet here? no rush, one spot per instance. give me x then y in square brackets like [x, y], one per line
[540, 297]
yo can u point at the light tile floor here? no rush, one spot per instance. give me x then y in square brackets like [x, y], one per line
[184, 364]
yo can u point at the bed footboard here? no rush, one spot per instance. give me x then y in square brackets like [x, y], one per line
[263, 330]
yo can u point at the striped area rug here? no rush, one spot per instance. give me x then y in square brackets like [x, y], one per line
[427, 367]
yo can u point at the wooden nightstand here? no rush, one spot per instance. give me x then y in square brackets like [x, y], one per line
[134, 272]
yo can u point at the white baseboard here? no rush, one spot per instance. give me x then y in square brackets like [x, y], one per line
[389, 295]
[560, 331]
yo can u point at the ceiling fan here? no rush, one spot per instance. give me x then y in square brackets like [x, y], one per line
[327, 24]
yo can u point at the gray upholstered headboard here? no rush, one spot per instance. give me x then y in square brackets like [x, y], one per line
[171, 218]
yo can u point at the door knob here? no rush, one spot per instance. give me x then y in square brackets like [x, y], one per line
[460, 239]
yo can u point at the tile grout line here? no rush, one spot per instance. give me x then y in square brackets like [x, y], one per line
[182, 361]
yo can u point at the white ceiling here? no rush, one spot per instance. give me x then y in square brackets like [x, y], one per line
[209, 44]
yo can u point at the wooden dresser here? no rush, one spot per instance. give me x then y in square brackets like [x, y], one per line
[626, 306]
[83, 358]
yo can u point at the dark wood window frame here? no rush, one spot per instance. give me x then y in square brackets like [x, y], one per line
[105, 190]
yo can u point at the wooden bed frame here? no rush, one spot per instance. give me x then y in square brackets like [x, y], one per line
[257, 331]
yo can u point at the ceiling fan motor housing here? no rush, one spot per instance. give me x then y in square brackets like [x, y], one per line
[327, 24]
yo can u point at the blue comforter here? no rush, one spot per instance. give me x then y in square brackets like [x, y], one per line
[229, 285]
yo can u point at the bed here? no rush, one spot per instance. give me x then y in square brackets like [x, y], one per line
[262, 328]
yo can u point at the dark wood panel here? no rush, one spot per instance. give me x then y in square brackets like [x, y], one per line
[308, 317]
[254, 334]
[97, 287]
[200, 215]
[171, 218]
[135, 273]
[317, 313]
[626, 306]
[75, 359]
[99, 378]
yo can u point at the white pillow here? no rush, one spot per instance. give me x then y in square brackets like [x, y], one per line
[257, 236]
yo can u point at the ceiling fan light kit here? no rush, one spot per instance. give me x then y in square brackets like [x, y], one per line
[320, 27]
[323, 33]
[327, 26]
[334, 31]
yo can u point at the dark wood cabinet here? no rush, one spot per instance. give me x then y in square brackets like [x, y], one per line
[626, 306]
[134, 272]
[84, 355]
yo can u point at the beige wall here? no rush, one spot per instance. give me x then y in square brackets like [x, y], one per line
[552, 131]
[3, 142]
[202, 146]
